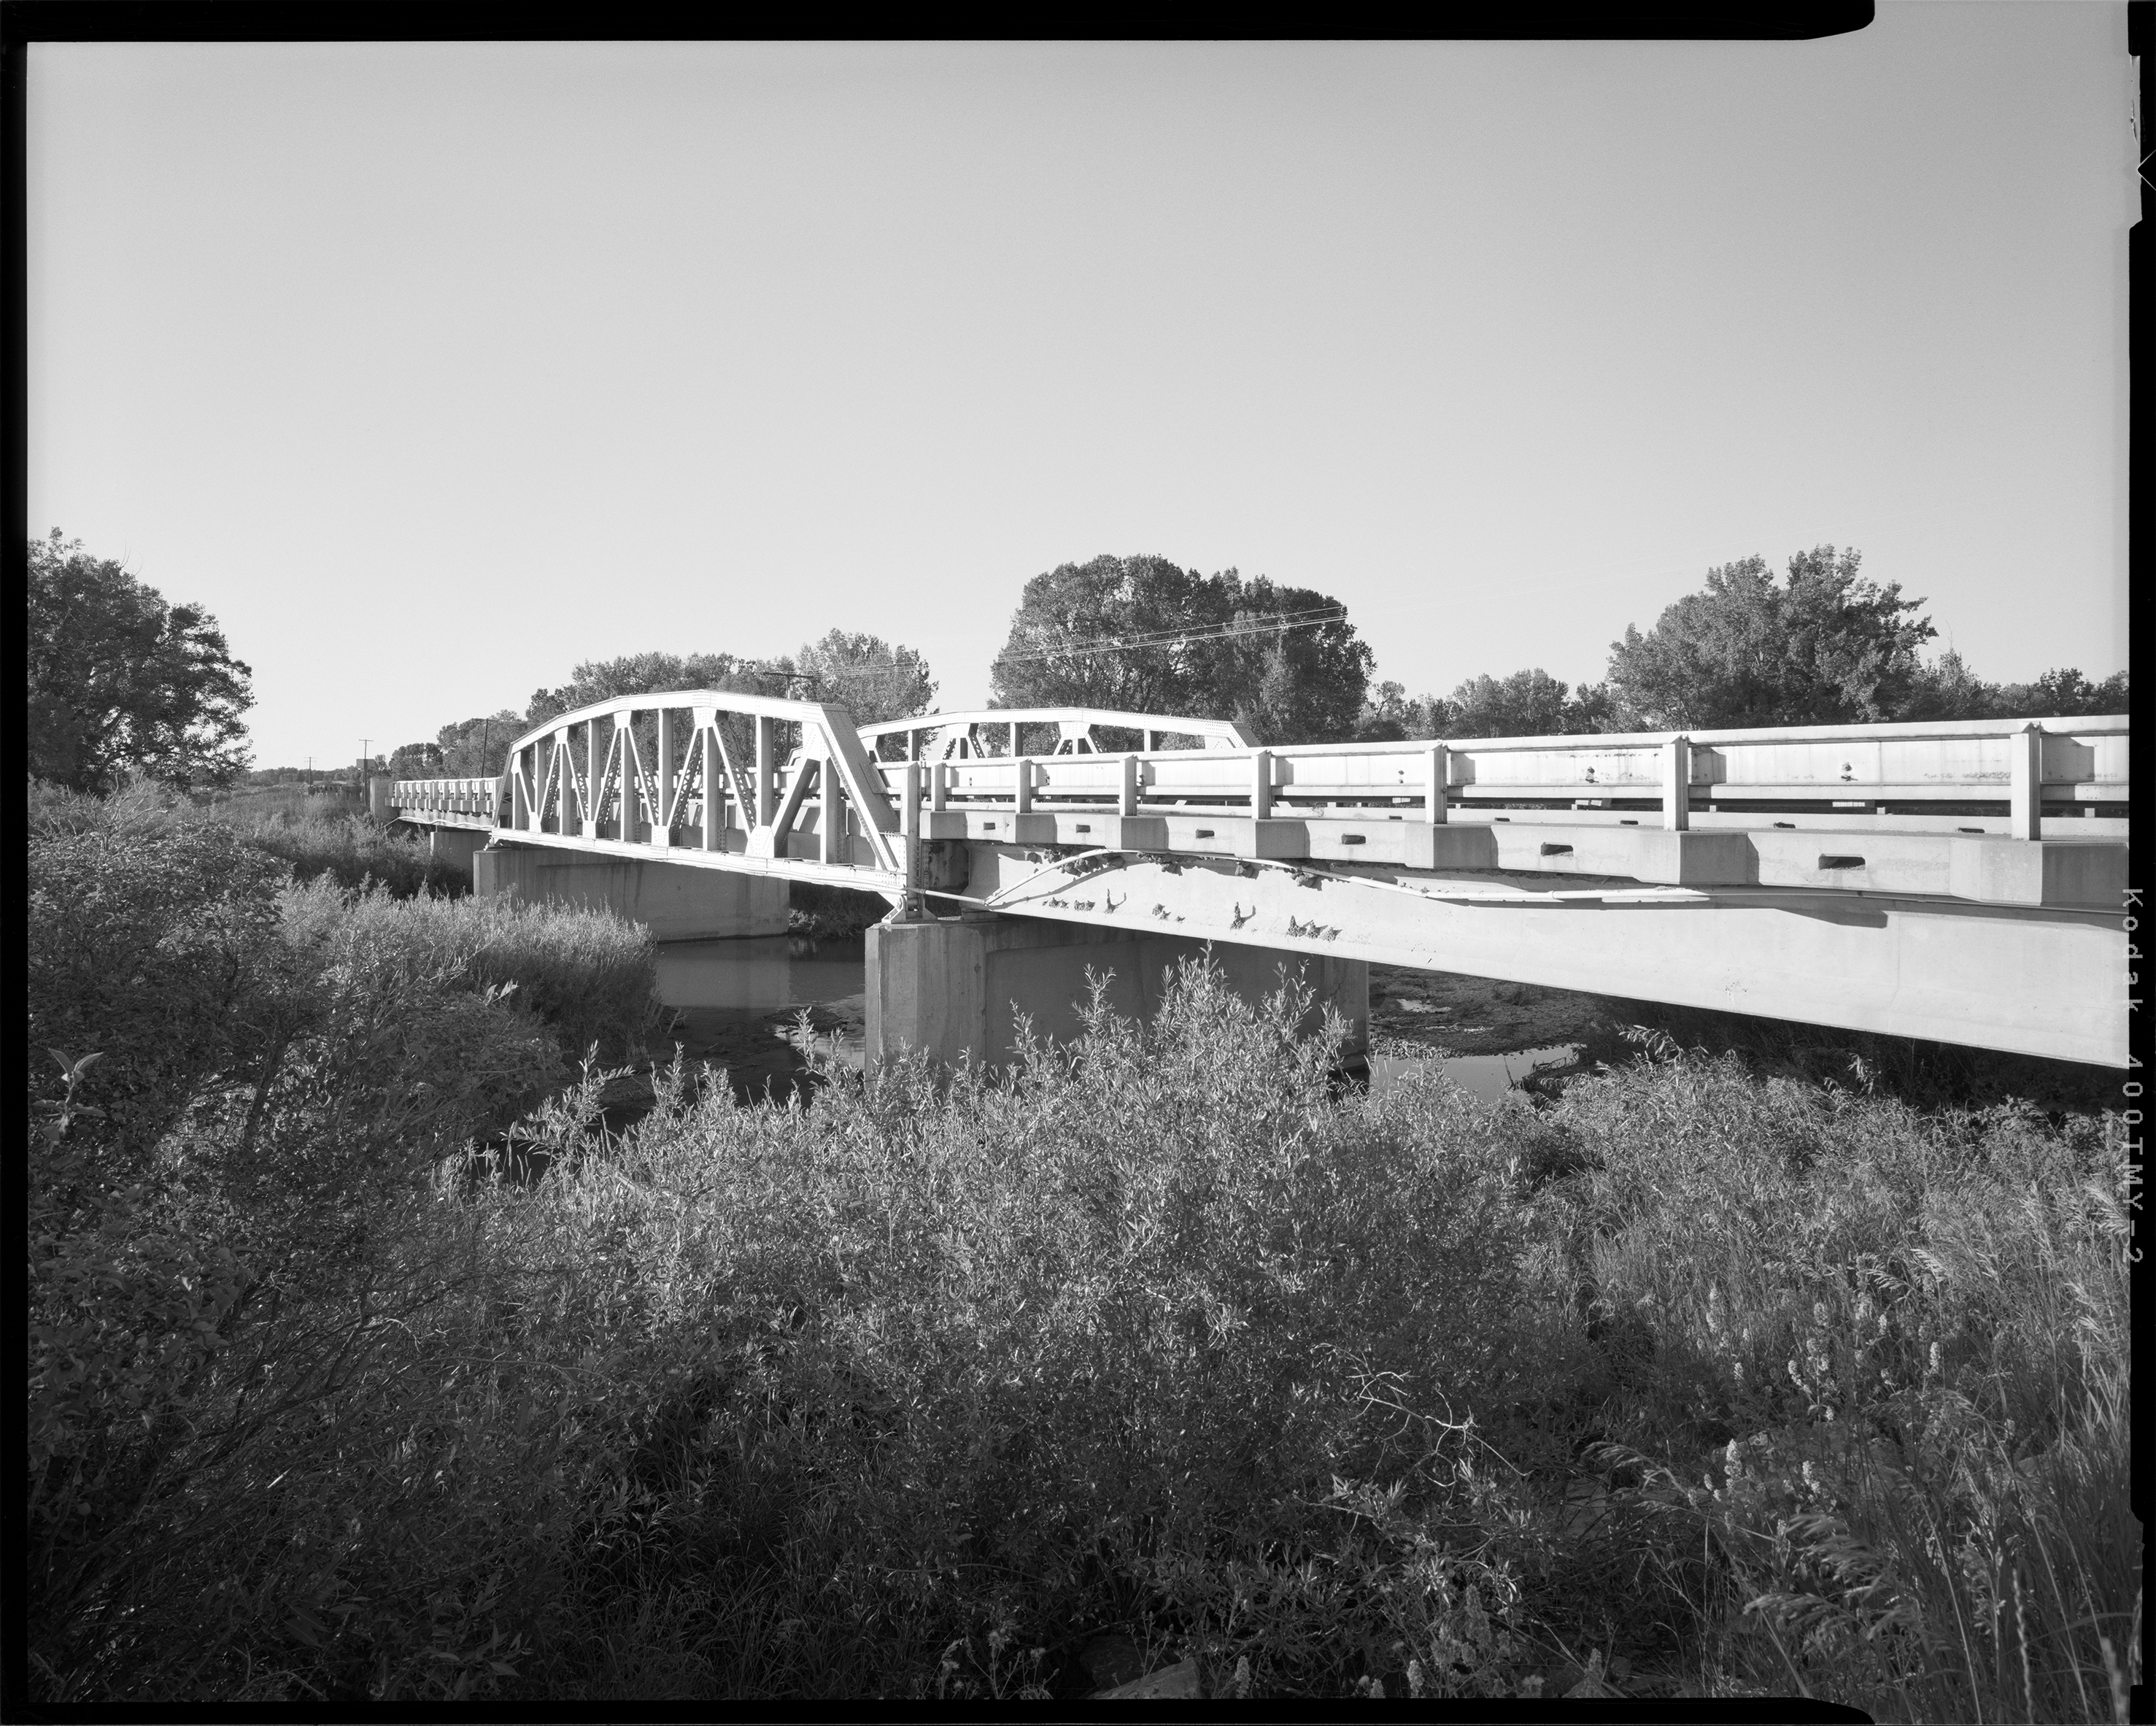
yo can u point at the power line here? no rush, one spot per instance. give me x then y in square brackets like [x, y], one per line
[1278, 625]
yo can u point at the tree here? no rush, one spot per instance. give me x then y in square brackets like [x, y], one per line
[1389, 716]
[1303, 684]
[646, 673]
[1527, 704]
[872, 678]
[477, 747]
[1825, 648]
[1074, 639]
[1947, 689]
[1142, 634]
[119, 680]
[2066, 694]
[416, 761]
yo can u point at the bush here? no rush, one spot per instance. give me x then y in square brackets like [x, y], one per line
[217, 1189]
[589, 976]
[156, 949]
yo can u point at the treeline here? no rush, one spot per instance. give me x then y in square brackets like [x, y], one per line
[1819, 644]
[123, 683]
[1823, 646]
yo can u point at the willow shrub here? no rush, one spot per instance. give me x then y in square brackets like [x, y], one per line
[255, 1079]
[895, 1394]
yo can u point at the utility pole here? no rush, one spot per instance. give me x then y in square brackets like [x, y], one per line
[366, 764]
[310, 776]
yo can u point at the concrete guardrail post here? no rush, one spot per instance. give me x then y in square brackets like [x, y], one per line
[2026, 799]
[1677, 784]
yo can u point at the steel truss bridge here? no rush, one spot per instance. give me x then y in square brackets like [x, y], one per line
[1964, 881]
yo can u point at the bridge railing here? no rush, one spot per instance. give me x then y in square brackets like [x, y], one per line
[2019, 770]
[467, 797]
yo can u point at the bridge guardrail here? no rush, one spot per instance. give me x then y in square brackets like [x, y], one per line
[2021, 766]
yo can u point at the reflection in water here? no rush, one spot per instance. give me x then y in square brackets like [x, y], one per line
[737, 1004]
[1487, 1076]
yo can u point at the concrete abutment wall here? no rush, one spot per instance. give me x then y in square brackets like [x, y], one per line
[962, 984]
[678, 901]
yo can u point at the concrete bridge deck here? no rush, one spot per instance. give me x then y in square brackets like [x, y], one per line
[1963, 882]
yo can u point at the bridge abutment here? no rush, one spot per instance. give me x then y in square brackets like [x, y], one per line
[962, 984]
[678, 901]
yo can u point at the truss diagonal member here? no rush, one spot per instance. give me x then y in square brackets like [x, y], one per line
[680, 788]
[572, 784]
[633, 774]
[863, 788]
[550, 780]
[610, 780]
[695, 779]
[731, 780]
[523, 798]
[789, 809]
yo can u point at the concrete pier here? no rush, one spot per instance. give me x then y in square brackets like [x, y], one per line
[961, 982]
[456, 845]
[677, 902]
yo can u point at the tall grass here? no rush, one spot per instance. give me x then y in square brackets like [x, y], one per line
[315, 837]
[1907, 1336]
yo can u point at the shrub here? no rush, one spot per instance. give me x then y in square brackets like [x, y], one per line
[589, 976]
[214, 1259]
[156, 950]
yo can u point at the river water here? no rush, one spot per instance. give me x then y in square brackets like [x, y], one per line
[738, 1004]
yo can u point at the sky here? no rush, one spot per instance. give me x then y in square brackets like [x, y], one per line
[435, 369]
